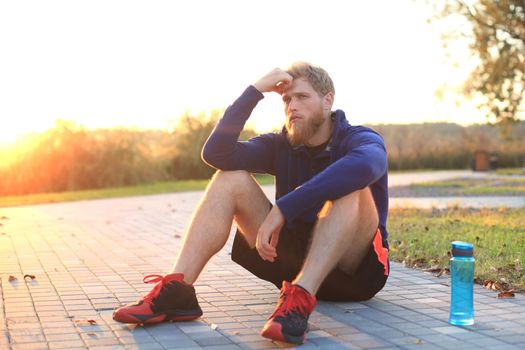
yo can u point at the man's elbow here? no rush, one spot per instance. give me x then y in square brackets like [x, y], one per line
[373, 170]
[215, 159]
[208, 156]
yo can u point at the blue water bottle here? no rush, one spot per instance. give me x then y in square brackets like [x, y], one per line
[462, 275]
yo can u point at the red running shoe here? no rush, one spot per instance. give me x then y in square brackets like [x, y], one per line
[170, 300]
[289, 321]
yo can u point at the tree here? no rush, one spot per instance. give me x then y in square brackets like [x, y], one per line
[496, 29]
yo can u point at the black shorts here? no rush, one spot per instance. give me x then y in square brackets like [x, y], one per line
[368, 279]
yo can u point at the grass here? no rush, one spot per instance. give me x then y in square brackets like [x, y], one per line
[141, 190]
[511, 171]
[469, 186]
[421, 238]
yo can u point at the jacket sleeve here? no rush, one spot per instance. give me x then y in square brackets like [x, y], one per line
[361, 166]
[223, 151]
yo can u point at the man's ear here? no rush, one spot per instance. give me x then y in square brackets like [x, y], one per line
[328, 101]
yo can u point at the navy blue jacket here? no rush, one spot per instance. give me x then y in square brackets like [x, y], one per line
[354, 159]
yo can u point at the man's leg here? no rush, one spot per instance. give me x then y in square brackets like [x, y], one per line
[342, 237]
[230, 195]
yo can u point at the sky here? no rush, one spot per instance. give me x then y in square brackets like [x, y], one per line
[144, 63]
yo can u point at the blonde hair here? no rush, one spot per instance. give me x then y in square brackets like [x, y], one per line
[316, 76]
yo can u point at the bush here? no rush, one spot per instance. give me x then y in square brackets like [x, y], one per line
[191, 134]
[69, 157]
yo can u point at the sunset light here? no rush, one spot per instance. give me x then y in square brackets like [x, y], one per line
[143, 64]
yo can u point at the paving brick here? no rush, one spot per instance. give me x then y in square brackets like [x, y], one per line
[143, 346]
[56, 337]
[69, 344]
[222, 347]
[214, 340]
[30, 346]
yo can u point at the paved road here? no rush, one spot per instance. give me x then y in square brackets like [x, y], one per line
[444, 202]
[90, 256]
[404, 179]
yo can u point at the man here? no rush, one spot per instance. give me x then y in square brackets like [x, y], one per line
[326, 234]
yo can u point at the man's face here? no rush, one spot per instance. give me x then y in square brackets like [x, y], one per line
[304, 111]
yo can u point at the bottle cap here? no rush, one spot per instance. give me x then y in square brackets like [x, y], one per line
[462, 248]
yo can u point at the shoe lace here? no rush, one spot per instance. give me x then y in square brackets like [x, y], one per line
[155, 291]
[286, 306]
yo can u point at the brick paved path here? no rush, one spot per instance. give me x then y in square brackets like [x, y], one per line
[88, 257]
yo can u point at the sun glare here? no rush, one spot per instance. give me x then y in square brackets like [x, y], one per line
[7, 138]
[13, 144]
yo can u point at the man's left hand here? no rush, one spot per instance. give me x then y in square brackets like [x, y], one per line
[268, 234]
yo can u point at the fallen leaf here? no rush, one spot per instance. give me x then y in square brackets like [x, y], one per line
[492, 285]
[506, 294]
[438, 271]
[433, 269]
[4, 218]
[91, 334]
[12, 278]
[86, 322]
[30, 276]
[418, 341]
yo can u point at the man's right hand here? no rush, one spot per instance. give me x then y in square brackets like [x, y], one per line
[277, 80]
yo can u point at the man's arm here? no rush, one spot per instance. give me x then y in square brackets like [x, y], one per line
[223, 150]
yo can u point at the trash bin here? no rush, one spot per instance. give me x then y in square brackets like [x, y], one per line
[481, 161]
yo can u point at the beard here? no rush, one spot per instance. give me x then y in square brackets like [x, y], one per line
[299, 133]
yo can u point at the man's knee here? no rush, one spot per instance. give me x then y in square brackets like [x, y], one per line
[231, 176]
[361, 202]
[234, 179]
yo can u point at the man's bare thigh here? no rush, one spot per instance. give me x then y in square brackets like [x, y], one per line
[252, 205]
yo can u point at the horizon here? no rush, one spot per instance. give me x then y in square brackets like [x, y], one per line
[145, 64]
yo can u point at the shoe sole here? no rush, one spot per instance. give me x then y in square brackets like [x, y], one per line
[172, 315]
[274, 331]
